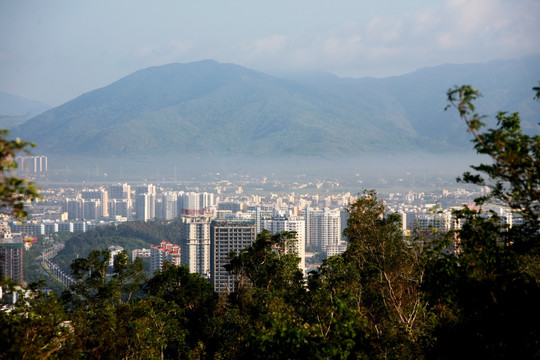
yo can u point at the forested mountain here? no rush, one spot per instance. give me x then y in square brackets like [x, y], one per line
[213, 108]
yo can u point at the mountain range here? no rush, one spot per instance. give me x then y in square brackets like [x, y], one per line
[212, 108]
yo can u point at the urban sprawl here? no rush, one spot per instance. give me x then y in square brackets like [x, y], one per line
[219, 217]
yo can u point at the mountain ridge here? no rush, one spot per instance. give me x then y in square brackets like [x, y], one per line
[211, 108]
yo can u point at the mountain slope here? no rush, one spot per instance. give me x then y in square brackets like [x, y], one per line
[211, 108]
[421, 96]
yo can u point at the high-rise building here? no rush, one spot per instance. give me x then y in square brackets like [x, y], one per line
[195, 241]
[33, 164]
[145, 202]
[167, 206]
[11, 254]
[297, 224]
[145, 189]
[98, 194]
[195, 201]
[165, 251]
[227, 236]
[73, 207]
[91, 209]
[120, 203]
[120, 192]
[323, 227]
[120, 208]
[145, 207]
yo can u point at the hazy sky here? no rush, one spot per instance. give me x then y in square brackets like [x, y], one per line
[53, 51]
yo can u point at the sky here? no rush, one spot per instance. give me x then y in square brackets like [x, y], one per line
[53, 51]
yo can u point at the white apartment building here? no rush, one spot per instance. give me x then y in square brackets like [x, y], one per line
[195, 241]
[165, 251]
[195, 201]
[278, 224]
[145, 206]
[120, 192]
[100, 195]
[440, 222]
[323, 227]
[167, 206]
[145, 202]
[120, 207]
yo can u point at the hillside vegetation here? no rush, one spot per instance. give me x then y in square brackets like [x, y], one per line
[131, 235]
[209, 108]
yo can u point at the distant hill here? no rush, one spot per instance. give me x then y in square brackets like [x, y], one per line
[14, 110]
[210, 108]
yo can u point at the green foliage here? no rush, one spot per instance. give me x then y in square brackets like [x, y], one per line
[514, 174]
[388, 273]
[166, 110]
[267, 264]
[194, 302]
[39, 328]
[481, 294]
[14, 191]
[131, 235]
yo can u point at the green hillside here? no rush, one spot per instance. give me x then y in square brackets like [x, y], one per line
[130, 235]
[209, 108]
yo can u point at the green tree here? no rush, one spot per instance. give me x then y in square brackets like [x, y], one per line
[390, 271]
[190, 326]
[482, 295]
[513, 176]
[38, 328]
[14, 191]
[93, 287]
[270, 292]
[128, 276]
[267, 264]
[335, 312]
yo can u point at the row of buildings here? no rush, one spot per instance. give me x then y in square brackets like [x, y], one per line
[32, 164]
[206, 244]
[119, 202]
[212, 227]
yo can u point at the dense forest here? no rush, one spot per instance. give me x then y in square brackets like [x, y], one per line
[470, 293]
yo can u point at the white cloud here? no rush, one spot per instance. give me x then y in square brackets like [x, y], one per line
[458, 31]
[269, 45]
[342, 47]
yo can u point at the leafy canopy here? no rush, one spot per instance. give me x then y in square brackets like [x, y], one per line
[14, 191]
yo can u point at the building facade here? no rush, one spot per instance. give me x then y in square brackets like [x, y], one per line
[297, 224]
[195, 241]
[323, 228]
[165, 251]
[11, 254]
[227, 236]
